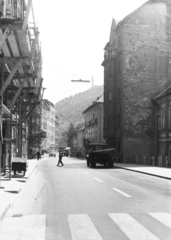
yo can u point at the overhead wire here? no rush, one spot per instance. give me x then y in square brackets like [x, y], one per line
[61, 70]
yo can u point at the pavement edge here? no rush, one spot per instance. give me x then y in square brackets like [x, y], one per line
[151, 174]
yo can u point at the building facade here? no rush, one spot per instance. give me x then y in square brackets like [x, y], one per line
[56, 134]
[94, 121]
[136, 69]
[81, 152]
[48, 125]
[162, 103]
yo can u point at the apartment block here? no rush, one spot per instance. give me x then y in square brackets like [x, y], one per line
[137, 67]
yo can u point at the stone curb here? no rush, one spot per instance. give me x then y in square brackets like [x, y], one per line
[151, 174]
[4, 211]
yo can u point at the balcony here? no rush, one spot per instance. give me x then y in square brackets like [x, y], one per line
[91, 122]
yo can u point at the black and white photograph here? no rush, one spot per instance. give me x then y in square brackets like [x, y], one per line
[85, 120]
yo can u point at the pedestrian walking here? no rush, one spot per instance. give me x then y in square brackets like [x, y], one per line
[38, 155]
[60, 159]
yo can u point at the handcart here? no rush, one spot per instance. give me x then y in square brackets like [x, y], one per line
[19, 165]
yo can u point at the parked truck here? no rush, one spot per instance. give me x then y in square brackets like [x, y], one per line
[99, 153]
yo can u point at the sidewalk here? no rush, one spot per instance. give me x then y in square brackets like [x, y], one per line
[9, 189]
[145, 169]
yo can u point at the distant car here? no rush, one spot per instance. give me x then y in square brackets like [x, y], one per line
[52, 154]
[65, 152]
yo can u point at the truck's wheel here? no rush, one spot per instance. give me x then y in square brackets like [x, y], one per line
[110, 163]
[93, 164]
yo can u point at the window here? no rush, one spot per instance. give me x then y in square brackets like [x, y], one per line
[110, 96]
[110, 71]
[119, 146]
[162, 119]
[159, 123]
[91, 134]
[92, 115]
[113, 52]
[169, 115]
[119, 67]
[119, 115]
[109, 121]
[119, 119]
[163, 114]
[95, 132]
[119, 94]
[96, 113]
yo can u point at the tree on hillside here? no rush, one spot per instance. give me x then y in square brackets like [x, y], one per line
[69, 110]
[70, 134]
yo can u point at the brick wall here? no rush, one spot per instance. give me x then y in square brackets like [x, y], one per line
[142, 46]
[136, 149]
[145, 74]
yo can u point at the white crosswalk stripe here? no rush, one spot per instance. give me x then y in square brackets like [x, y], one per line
[86, 227]
[82, 228]
[164, 218]
[131, 228]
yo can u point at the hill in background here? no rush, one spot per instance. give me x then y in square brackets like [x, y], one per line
[69, 110]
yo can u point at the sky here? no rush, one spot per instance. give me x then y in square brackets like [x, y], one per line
[73, 34]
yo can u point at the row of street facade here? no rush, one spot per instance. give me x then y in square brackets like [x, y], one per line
[137, 89]
[21, 84]
[134, 113]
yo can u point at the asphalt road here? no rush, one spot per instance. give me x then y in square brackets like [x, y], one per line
[80, 203]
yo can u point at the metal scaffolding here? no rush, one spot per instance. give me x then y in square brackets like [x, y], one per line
[20, 81]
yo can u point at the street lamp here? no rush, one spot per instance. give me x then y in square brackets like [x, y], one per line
[80, 80]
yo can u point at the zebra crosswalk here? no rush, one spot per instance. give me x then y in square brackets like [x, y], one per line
[119, 226]
[131, 227]
[164, 218]
[83, 228]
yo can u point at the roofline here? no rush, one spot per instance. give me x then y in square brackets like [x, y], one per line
[92, 106]
[94, 103]
[130, 15]
[50, 103]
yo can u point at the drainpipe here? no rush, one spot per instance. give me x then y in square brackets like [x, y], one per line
[157, 131]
